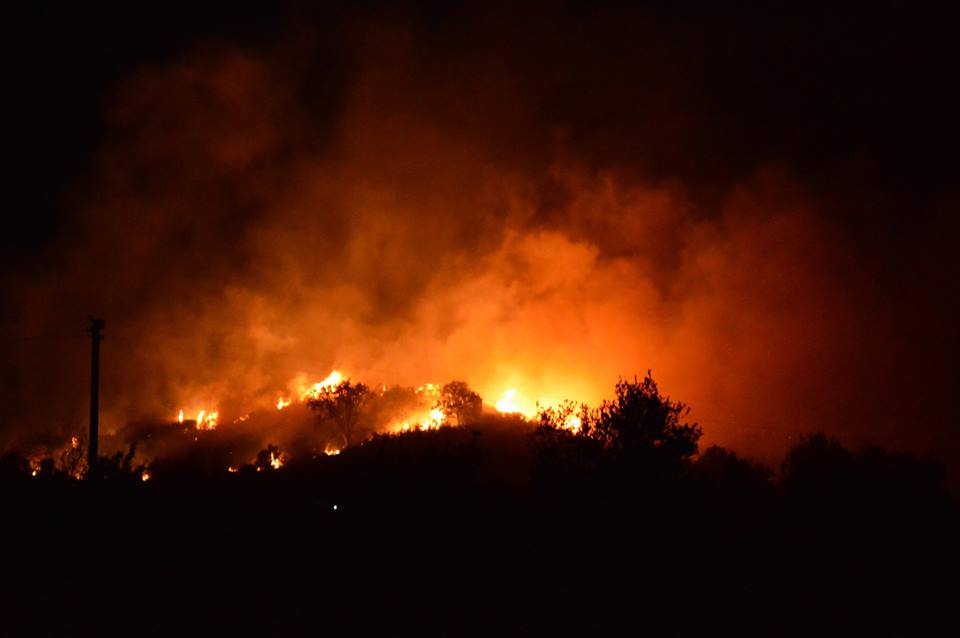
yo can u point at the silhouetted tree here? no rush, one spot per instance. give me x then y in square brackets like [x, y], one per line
[820, 469]
[459, 403]
[899, 472]
[342, 405]
[638, 430]
[716, 461]
[729, 479]
[639, 427]
[816, 460]
[641, 424]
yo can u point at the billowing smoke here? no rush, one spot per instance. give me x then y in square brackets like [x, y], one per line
[406, 216]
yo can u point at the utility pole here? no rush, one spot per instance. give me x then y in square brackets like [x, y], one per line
[96, 336]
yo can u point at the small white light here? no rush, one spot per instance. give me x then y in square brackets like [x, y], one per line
[334, 507]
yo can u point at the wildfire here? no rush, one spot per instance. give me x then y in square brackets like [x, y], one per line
[429, 389]
[333, 379]
[331, 451]
[205, 420]
[573, 423]
[427, 415]
[423, 420]
[74, 442]
[429, 420]
[276, 460]
[145, 476]
[511, 403]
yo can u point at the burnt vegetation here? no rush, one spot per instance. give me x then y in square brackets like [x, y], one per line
[582, 521]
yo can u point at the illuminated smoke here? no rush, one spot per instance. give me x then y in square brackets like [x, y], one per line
[240, 246]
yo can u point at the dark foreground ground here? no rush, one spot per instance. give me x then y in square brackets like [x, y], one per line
[442, 534]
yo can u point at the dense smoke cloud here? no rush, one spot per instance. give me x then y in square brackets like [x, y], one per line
[411, 212]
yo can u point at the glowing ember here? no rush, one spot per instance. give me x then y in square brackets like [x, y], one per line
[331, 451]
[145, 476]
[180, 416]
[282, 403]
[74, 442]
[233, 470]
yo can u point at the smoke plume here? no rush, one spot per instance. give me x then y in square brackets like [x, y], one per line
[410, 212]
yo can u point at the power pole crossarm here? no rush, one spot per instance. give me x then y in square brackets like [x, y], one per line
[96, 336]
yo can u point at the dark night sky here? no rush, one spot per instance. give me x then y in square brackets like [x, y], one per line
[851, 94]
[859, 104]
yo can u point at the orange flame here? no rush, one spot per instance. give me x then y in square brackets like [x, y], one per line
[511, 402]
[332, 380]
[206, 420]
[573, 423]
[276, 460]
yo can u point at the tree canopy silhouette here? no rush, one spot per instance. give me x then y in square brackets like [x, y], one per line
[816, 460]
[639, 427]
[459, 403]
[342, 405]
